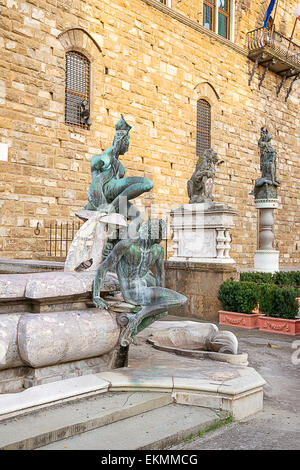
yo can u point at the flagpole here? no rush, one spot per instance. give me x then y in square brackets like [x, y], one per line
[292, 35]
[296, 19]
[275, 12]
[273, 25]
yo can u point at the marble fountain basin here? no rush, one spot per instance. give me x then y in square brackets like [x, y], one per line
[198, 340]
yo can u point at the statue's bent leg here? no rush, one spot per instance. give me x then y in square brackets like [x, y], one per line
[148, 321]
[159, 300]
[130, 187]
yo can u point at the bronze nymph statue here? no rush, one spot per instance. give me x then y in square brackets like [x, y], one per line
[109, 183]
[110, 191]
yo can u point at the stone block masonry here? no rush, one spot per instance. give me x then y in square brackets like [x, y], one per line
[200, 283]
[151, 63]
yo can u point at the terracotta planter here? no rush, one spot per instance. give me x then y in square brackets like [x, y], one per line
[240, 320]
[280, 325]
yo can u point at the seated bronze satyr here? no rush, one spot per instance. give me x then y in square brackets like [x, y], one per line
[132, 259]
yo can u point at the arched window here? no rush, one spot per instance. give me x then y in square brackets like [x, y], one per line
[77, 95]
[203, 139]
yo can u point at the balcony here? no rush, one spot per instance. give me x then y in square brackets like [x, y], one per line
[274, 52]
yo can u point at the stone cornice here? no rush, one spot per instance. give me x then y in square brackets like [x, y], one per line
[194, 25]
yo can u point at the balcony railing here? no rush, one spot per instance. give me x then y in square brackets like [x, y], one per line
[275, 42]
[275, 52]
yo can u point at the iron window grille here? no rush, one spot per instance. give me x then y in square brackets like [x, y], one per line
[77, 95]
[203, 139]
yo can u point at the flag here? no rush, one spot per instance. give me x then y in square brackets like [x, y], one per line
[297, 12]
[269, 11]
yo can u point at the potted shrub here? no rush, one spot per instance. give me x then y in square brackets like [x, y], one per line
[281, 278]
[239, 300]
[280, 308]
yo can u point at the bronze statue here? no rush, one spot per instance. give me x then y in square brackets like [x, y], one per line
[109, 183]
[266, 186]
[200, 185]
[132, 259]
[110, 191]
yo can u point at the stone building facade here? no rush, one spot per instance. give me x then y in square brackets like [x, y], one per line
[151, 61]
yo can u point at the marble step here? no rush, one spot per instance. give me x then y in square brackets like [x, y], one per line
[40, 427]
[156, 429]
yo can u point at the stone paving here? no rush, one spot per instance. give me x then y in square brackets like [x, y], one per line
[278, 426]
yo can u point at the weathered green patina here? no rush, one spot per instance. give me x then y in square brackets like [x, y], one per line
[266, 186]
[110, 191]
[132, 259]
[109, 183]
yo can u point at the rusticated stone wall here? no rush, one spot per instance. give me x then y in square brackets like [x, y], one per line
[152, 64]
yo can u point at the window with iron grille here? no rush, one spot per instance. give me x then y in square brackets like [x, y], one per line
[77, 95]
[203, 139]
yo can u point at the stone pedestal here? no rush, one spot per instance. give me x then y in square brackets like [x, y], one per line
[266, 259]
[201, 233]
[200, 283]
[201, 261]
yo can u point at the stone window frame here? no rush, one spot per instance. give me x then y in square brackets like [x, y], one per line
[231, 16]
[79, 40]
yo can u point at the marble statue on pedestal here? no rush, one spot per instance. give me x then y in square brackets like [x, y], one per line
[201, 228]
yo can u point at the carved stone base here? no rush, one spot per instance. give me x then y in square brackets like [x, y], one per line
[266, 261]
[201, 233]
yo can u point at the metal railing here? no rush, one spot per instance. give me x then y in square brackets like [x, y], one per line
[60, 238]
[260, 38]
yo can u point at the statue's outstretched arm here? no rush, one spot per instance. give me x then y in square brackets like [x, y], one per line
[104, 267]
